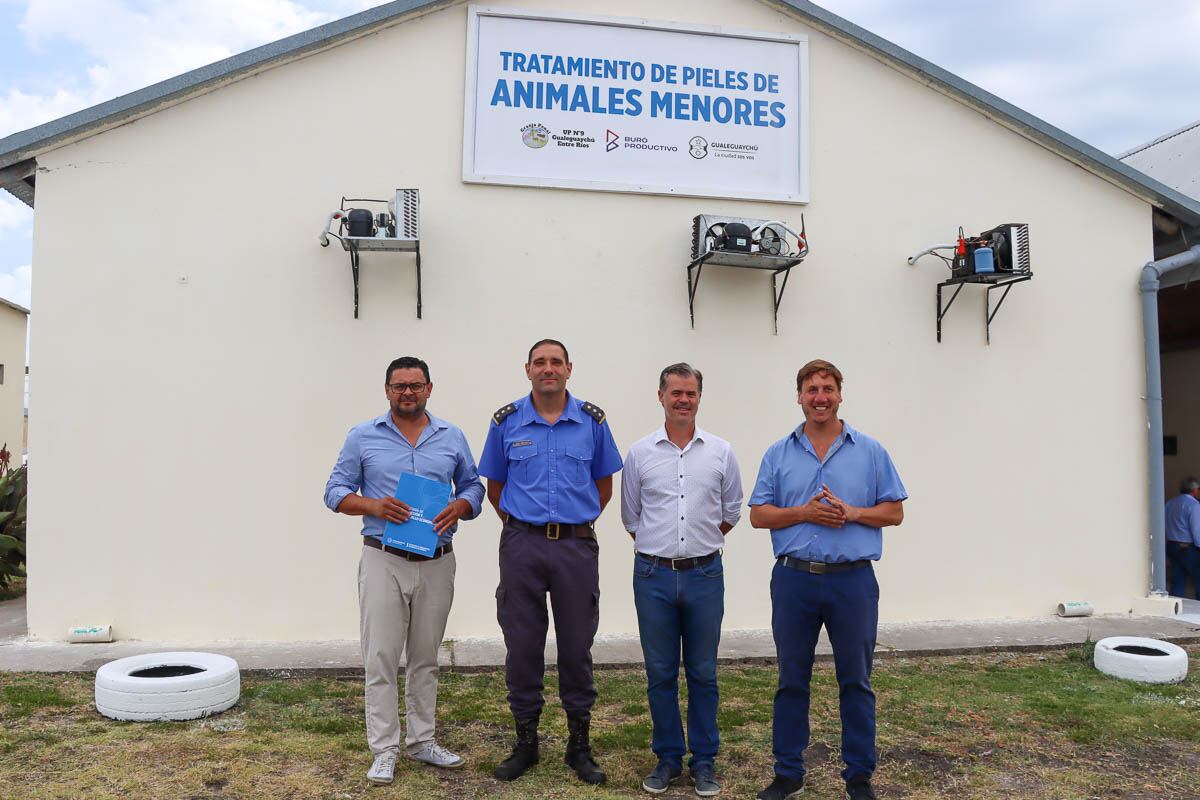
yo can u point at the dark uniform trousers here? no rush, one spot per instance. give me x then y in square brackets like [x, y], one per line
[531, 566]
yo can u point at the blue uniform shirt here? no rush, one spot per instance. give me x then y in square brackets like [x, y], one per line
[549, 471]
[376, 452]
[1183, 519]
[857, 469]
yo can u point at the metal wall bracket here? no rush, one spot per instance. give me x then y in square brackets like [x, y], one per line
[357, 244]
[722, 258]
[996, 280]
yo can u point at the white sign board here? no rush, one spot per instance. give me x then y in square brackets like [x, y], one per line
[635, 106]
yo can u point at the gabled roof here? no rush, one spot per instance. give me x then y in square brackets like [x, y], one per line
[14, 306]
[1173, 158]
[19, 150]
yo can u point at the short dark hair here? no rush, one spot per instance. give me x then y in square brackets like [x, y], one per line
[1188, 485]
[683, 370]
[406, 362]
[815, 367]
[540, 342]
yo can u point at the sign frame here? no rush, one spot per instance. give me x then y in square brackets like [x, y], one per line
[471, 175]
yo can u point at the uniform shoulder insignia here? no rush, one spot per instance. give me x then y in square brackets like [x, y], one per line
[593, 411]
[503, 413]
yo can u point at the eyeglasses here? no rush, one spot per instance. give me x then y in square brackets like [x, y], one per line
[401, 388]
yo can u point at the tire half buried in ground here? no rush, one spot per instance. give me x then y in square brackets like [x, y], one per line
[1135, 658]
[167, 686]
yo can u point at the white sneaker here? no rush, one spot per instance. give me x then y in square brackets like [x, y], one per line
[384, 768]
[435, 755]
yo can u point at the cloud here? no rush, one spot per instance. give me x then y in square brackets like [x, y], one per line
[15, 286]
[1114, 73]
[128, 44]
[14, 214]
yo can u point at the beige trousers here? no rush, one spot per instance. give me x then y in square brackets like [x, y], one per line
[402, 604]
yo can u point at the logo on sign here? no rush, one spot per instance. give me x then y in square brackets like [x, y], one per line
[535, 136]
[612, 140]
[698, 147]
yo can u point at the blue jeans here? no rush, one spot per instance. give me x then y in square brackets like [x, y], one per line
[847, 603]
[677, 608]
[1185, 563]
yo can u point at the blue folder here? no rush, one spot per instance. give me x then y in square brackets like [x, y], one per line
[426, 498]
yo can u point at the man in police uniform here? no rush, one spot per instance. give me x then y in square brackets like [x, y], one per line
[825, 491]
[549, 461]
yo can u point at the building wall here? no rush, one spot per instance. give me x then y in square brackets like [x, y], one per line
[13, 328]
[224, 367]
[1181, 395]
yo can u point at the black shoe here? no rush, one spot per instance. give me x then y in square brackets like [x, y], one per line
[579, 751]
[782, 788]
[524, 753]
[859, 788]
[662, 777]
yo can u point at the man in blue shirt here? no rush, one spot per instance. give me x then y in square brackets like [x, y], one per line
[549, 461]
[825, 491]
[404, 598]
[1183, 538]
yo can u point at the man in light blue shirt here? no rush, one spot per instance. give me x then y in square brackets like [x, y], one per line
[825, 491]
[1183, 538]
[404, 598]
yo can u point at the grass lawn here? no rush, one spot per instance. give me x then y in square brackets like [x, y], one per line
[994, 726]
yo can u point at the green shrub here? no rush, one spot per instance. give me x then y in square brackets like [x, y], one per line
[13, 487]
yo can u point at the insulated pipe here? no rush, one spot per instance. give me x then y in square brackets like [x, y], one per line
[1152, 272]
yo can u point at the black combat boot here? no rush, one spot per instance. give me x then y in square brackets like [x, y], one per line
[579, 751]
[524, 753]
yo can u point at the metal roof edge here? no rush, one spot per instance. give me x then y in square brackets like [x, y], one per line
[16, 306]
[1038, 130]
[22, 191]
[29, 143]
[1159, 140]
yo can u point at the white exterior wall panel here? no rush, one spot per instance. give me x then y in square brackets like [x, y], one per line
[13, 326]
[180, 498]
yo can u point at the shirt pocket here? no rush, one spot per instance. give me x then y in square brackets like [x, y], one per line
[578, 466]
[523, 462]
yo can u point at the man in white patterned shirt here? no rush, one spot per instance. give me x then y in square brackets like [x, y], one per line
[681, 492]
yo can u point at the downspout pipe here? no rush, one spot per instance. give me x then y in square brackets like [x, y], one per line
[1152, 274]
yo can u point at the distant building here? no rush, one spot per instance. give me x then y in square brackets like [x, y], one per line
[14, 323]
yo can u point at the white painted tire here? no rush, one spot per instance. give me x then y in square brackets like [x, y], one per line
[1136, 658]
[124, 690]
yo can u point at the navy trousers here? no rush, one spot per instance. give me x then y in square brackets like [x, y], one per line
[532, 566]
[1184, 561]
[847, 604]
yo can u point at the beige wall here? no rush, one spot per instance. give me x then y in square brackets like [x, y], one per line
[183, 498]
[1181, 398]
[13, 328]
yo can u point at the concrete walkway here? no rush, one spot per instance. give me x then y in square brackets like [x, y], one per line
[19, 654]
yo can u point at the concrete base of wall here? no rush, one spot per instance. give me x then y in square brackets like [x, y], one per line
[1157, 605]
[894, 639]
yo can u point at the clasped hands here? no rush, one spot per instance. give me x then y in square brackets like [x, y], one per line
[826, 508]
[393, 510]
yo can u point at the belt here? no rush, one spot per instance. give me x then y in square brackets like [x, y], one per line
[678, 564]
[371, 541]
[555, 530]
[821, 567]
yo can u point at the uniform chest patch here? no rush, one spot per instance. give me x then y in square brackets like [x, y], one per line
[524, 443]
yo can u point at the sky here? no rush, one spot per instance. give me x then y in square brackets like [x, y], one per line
[1114, 73]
